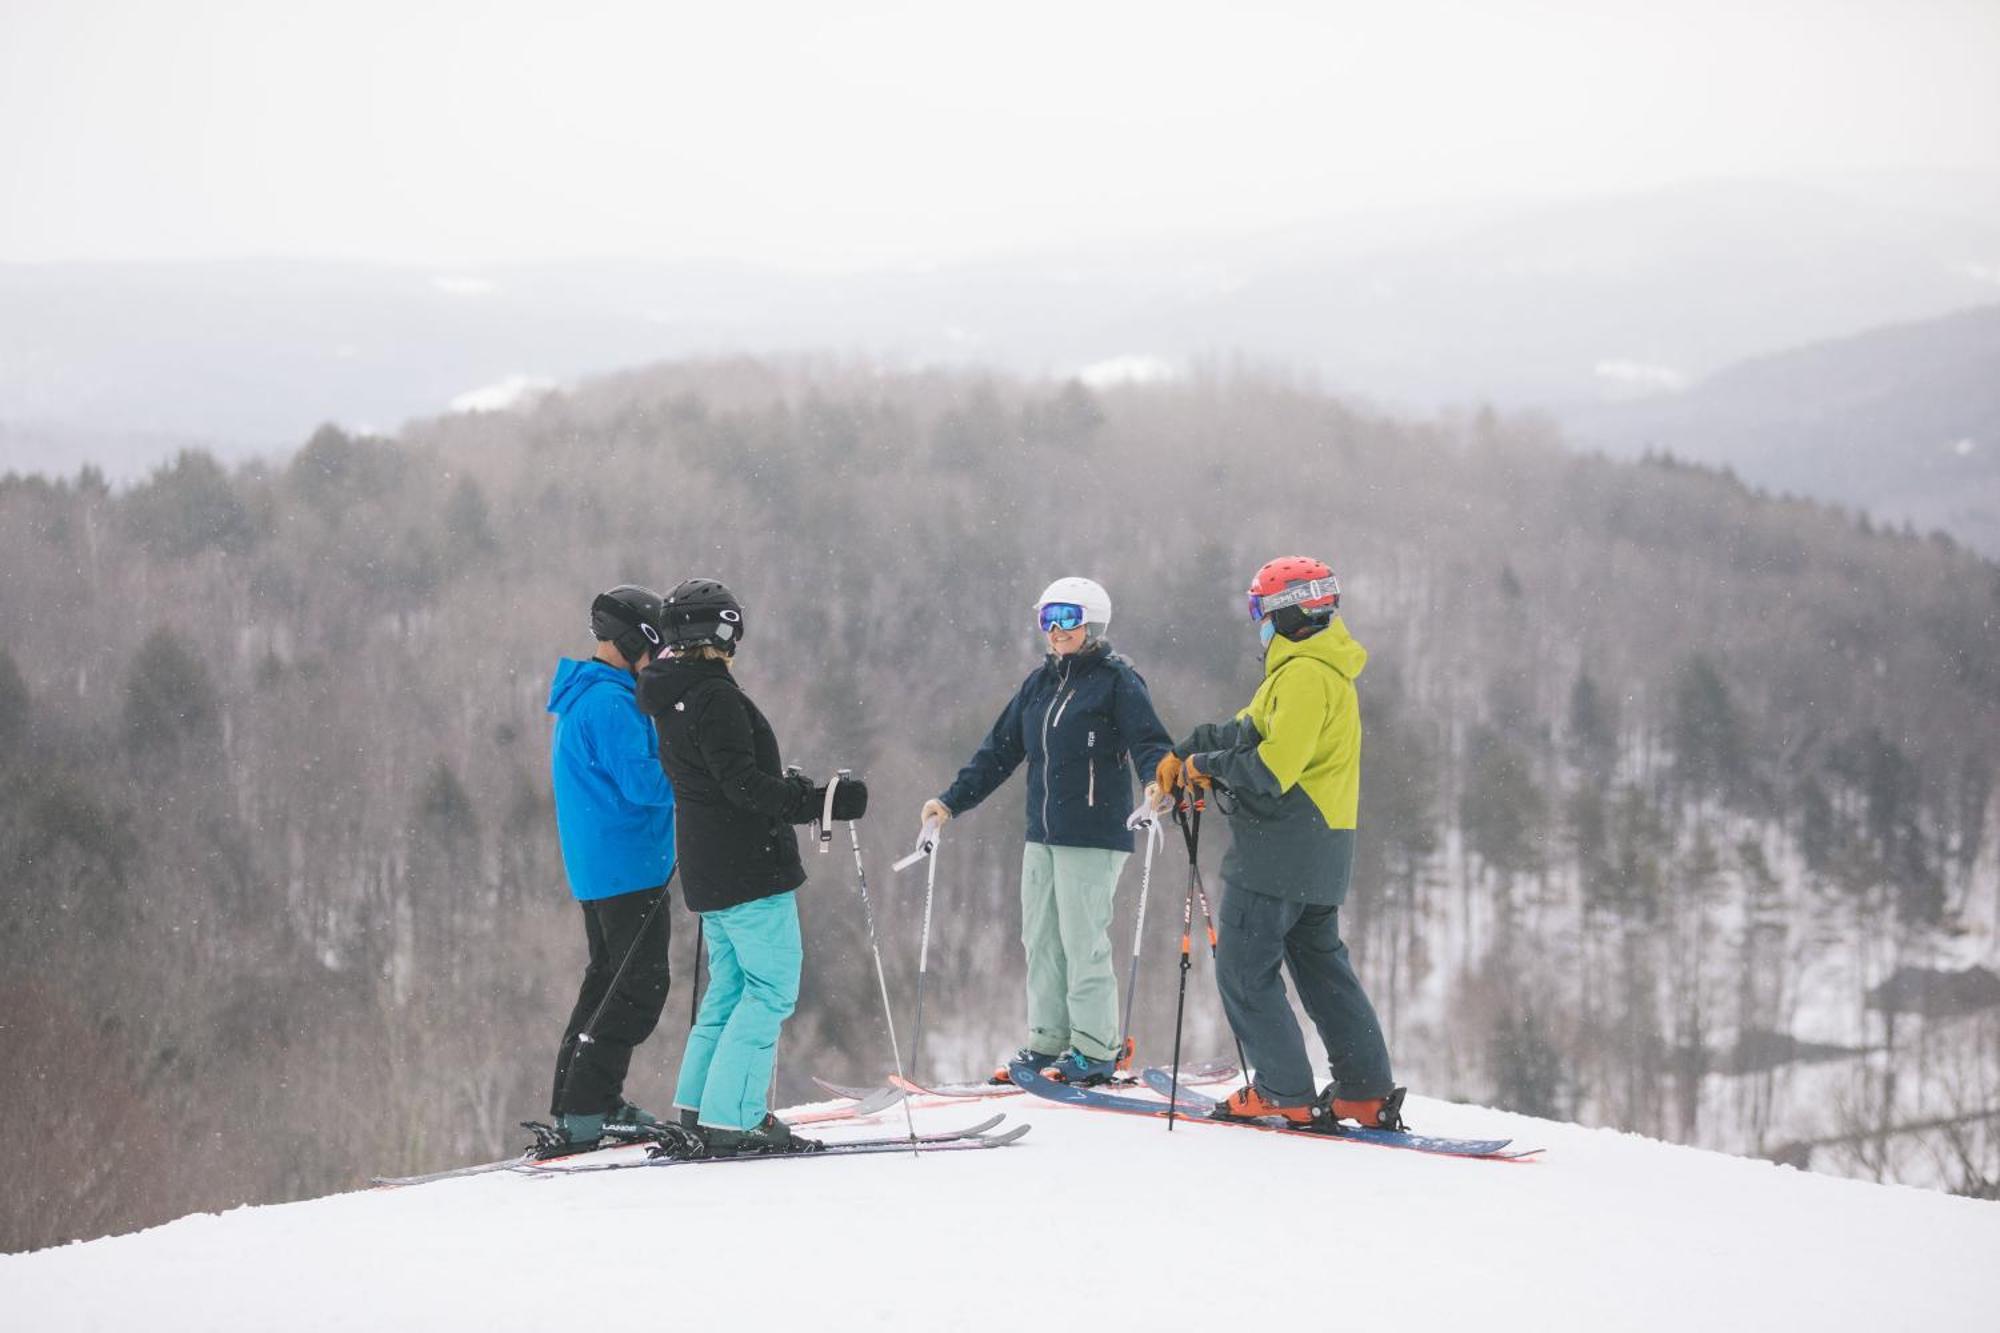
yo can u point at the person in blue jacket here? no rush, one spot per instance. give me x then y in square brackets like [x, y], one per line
[615, 819]
[1078, 720]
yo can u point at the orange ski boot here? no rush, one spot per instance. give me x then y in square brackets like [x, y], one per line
[1247, 1103]
[1369, 1113]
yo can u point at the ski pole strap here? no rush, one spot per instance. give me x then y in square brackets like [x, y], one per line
[927, 841]
[825, 821]
[1146, 819]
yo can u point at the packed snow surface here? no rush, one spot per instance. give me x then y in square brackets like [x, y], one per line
[1092, 1215]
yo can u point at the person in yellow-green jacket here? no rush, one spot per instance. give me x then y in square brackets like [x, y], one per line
[1291, 764]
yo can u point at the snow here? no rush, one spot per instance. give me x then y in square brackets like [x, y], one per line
[1639, 378]
[1131, 368]
[514, 391]
[1092, 1214]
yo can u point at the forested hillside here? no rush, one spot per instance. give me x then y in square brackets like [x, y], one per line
[1901, 421]
[1678, 800]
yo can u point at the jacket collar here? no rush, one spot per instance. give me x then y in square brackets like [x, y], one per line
[1333, 646]
[1087, 658]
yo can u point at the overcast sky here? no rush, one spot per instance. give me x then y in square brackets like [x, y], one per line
[836, 134]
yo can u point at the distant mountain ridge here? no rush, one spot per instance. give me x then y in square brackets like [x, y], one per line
[1902, 422]
[1544, 305]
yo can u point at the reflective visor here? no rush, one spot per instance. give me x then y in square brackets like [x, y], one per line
[1312, 591]
[1061, 615]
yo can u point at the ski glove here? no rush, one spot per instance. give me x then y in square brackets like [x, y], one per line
[850, 800]
[1194, 776]
[1169, 773]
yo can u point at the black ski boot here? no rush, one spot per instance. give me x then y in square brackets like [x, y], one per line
[772, 1136]
[568, 1135]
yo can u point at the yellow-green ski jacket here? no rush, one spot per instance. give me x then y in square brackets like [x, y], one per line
[1291, 761]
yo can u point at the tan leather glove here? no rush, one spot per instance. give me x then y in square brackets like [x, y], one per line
[1168, 774]
[1194, 776]
[934, 811]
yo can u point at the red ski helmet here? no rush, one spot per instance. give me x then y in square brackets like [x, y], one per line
[1295, 580]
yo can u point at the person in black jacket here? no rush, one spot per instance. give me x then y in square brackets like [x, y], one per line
[1078, 720]
[739, 865]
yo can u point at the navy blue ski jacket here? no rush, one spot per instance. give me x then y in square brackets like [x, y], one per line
[1077, 720]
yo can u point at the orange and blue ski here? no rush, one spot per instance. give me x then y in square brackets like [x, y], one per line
[1031, 1081]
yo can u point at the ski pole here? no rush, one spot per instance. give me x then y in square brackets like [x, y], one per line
[1180, 1005]
[587, 1035]
[1208, 918]
[868, 918]
[929, 843]
[1147, 819]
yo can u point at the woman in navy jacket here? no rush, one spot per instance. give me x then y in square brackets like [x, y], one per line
[1079, 720]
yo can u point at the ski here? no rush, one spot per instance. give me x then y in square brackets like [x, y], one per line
[970, 1137]
[528, 1158]
[453, 1173]
[1208, 1071]
[865, 1108]
[1048, 1089]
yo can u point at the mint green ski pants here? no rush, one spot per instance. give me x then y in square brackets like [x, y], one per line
[1066, 897]
[754, 956]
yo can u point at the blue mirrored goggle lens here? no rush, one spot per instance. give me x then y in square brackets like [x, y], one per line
[1061, 615]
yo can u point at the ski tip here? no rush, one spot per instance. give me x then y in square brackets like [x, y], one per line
[879, 1100]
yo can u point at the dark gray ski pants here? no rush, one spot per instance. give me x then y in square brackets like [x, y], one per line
[1258, 932]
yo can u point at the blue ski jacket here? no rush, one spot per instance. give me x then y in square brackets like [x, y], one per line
[614, 806]
[1076, 720]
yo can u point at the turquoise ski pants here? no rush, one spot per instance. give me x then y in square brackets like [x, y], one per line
[754, 956]
[1066, 897]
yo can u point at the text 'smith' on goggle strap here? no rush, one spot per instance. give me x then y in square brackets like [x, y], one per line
[1310, 591]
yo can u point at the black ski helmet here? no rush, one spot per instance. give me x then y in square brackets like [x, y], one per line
[702, 612]
[628, 618]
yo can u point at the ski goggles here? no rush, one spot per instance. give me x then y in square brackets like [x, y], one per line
[1061, 615]
[1313, 590]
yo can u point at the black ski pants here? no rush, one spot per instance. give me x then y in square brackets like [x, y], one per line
[590, 1076]
[1259, 935]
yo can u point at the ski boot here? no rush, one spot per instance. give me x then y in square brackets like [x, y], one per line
[626, 1114]
[1027, 1055]
[569, 1134]
[771, 1136]
[1369, 1113]
[1246, 1103]
[1080, 1069]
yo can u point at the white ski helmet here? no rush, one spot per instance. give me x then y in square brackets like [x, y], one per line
[1086, 593]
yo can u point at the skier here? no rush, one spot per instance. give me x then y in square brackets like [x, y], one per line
[615, 820]
[1075, 719]
[1292, 763]
[739, 866]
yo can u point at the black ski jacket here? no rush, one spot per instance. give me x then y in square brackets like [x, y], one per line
[733, 834]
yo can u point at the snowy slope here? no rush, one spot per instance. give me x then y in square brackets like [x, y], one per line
[1115, 1215]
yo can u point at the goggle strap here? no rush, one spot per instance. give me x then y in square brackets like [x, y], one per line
[1304, 592]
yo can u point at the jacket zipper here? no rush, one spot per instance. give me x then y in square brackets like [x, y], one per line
[1090, 762]
[1048, 760]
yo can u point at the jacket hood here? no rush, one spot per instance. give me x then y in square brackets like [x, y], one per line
[1332, 645]
[574, 679]
[667, 681]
